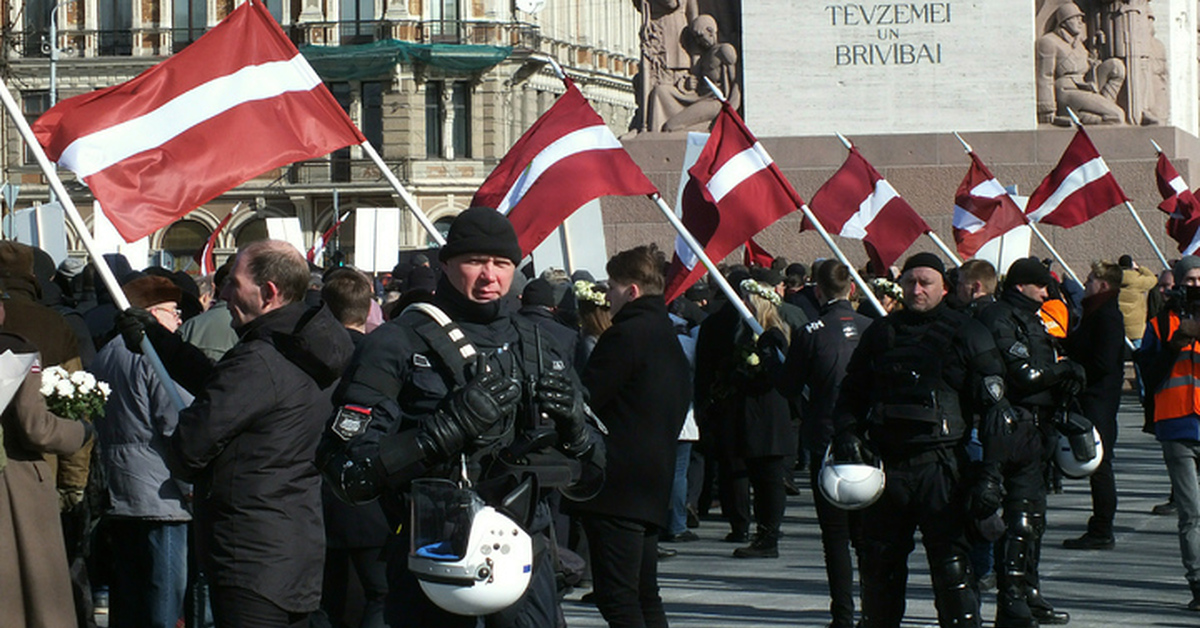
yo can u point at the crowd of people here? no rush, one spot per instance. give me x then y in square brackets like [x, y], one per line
[316, 421]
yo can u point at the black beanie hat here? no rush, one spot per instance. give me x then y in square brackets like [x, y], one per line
[925, 260]
[1028, 270]
[481, 230]
[538, 292]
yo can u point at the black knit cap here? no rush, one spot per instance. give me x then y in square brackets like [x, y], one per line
[925, 260]
[481, 230]
[1028, 270]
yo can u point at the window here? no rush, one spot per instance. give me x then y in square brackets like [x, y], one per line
[443, 226]
[339, 160]
[357, 23]
[188, 22]
[372, 113]
[34, 103]
[37, 27]
[448, 117]
[116, 27]
[183, 240]
[444, 24]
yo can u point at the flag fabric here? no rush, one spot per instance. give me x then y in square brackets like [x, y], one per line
[237, 102]
[983, 210]
[857, 202]
[1180, 205]
[204, 257]
[755, 255]
[318, 247]
[567, 158]
[1079, 188]
[734, 191]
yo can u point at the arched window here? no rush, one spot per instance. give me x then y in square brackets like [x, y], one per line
[443, 227]
[183, 240]
[252, 231]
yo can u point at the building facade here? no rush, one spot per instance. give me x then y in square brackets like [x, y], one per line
[441, 121]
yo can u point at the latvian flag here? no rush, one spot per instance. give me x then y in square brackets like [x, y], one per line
[1179, 203]
[318, 247]
[734, 191]
[567, 158]
[237, 102]
[983, 210]
[857, 202]
[1079, 188]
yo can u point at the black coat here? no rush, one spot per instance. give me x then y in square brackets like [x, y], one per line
[554, 328]
[640, 385]
[818, 359]
[248, 443]
[1098, 343]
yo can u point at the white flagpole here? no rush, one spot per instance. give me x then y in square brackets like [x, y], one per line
[837, 252]
[404, 194]
[110, 281]
[945, 249]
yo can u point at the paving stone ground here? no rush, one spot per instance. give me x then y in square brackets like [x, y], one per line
[1139, 583]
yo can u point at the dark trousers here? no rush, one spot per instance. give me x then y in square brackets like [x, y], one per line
[237, 607]
[763, 474]
[148, 586]
[371, 571]
[625, 572]
[840, 530]
[1104, 482]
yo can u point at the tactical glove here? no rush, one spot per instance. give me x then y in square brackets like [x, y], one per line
[132, 323]
[562, 401]
[1071, 376]
[471, 411]
[986, 496]
[849, 448]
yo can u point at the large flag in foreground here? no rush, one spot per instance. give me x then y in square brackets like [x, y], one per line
[857, 202]
[1180, 205]
[735, 190]
[237, 102]
[567, 158]
[1079, 188]
[983, 210]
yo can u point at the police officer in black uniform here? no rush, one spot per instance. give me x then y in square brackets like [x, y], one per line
[1037, 384]
[910, 387]
[485, 391]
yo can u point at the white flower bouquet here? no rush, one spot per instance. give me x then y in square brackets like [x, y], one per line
[75, 395]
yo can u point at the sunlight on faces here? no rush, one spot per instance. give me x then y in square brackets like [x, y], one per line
[1034, 291]
[482, 278]
[621, 293]
[246, 299]
[167, 314]
[923, 288]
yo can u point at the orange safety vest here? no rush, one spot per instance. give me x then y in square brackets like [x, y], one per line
[1055, 317]
[1179, 395]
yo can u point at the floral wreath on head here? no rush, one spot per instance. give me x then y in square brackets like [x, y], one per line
[750, 286]
[586, 291]
[881, 284]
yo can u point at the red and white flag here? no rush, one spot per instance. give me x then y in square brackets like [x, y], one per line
[755, 255]
[567, 158]
[983, 210]
[857, 202]
[1180, 205]
[204, 257]
[318, 247]
[1079, 188]
[237, 102]
[735, 190]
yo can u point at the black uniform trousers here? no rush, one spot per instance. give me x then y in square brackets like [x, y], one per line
[922, 492]
[840, 530]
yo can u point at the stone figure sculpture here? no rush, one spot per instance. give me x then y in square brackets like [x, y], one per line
[1069, 75]
[688, 104]
[665, 56]
[1127, 29]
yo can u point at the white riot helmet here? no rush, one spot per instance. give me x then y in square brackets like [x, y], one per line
[850, 485]
[1078, 455]
[469, 558]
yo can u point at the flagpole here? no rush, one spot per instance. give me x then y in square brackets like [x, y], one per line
[687, 236]
[837, 252]
[106, 274]
[404, 194]
[945, 249]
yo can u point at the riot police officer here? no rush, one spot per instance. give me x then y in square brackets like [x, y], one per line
[1037, 384]
[477, 396]
[910, 387]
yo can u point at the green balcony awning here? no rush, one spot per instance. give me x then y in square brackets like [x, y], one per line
[377, 59]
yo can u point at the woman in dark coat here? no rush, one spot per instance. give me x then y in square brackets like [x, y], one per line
[759, 427]
[36, 590]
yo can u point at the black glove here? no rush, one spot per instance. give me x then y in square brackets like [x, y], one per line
[986, 496]
[849, 448]
[561, 400]
[1071, 377]
[132, 323]
[471, 411]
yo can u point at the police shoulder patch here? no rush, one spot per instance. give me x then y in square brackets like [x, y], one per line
[351, 421]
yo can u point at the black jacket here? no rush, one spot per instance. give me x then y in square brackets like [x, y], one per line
[817, 359]
[640, 385]
[1098, 343]
[248, 443]
[550, 325]
[1032, 373]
